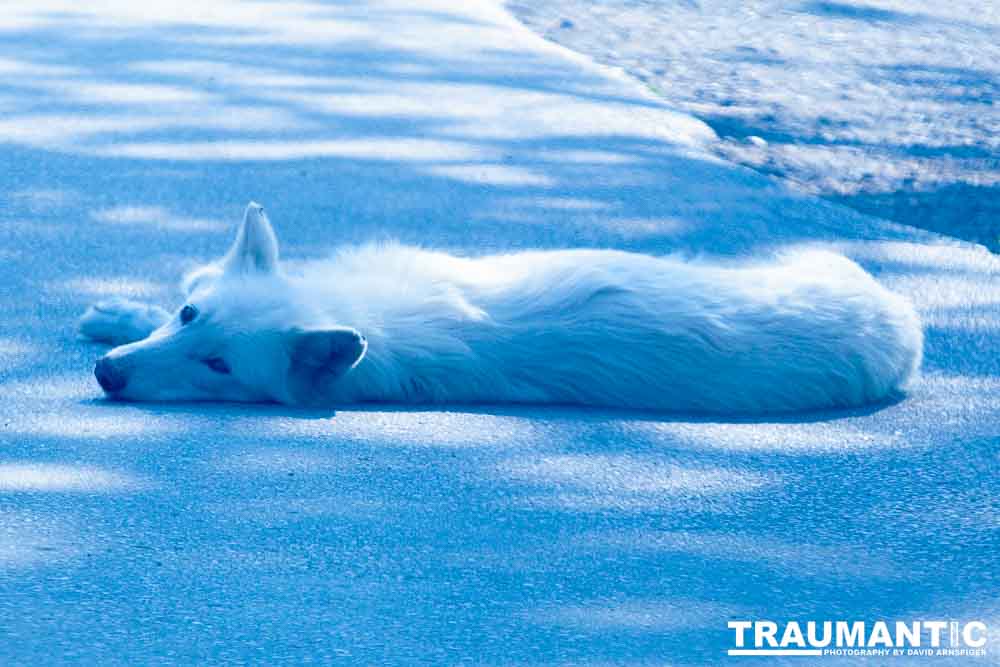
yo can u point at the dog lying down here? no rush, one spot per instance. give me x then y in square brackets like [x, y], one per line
[386, 322]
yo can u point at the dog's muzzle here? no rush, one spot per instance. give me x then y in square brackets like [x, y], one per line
[111, 378]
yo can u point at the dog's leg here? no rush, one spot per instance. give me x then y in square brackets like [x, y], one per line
[119, 321]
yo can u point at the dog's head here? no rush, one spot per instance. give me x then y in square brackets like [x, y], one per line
[243, 334]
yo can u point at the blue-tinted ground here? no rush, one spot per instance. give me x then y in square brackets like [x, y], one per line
[888, 107]
[490, 535]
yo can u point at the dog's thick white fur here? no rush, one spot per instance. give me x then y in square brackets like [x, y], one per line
[386, 322]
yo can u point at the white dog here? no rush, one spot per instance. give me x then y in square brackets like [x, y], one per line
[592, 327]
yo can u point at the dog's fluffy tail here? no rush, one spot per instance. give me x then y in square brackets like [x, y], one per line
[889, 336]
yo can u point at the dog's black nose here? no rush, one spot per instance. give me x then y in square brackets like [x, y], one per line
[108, 376]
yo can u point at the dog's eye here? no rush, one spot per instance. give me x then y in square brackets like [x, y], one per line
[218, 364]
[188, 313]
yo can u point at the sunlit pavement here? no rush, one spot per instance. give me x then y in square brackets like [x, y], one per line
[133, 135]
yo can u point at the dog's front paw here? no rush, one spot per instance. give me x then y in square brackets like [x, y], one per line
[119, 321]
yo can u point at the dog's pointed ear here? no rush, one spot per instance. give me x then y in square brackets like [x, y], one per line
[255, 249]
[320, 356]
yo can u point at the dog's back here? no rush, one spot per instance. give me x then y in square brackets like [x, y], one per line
[610, 328]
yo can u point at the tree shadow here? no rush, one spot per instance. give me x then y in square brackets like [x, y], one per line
[857, 12]
[963, 210]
